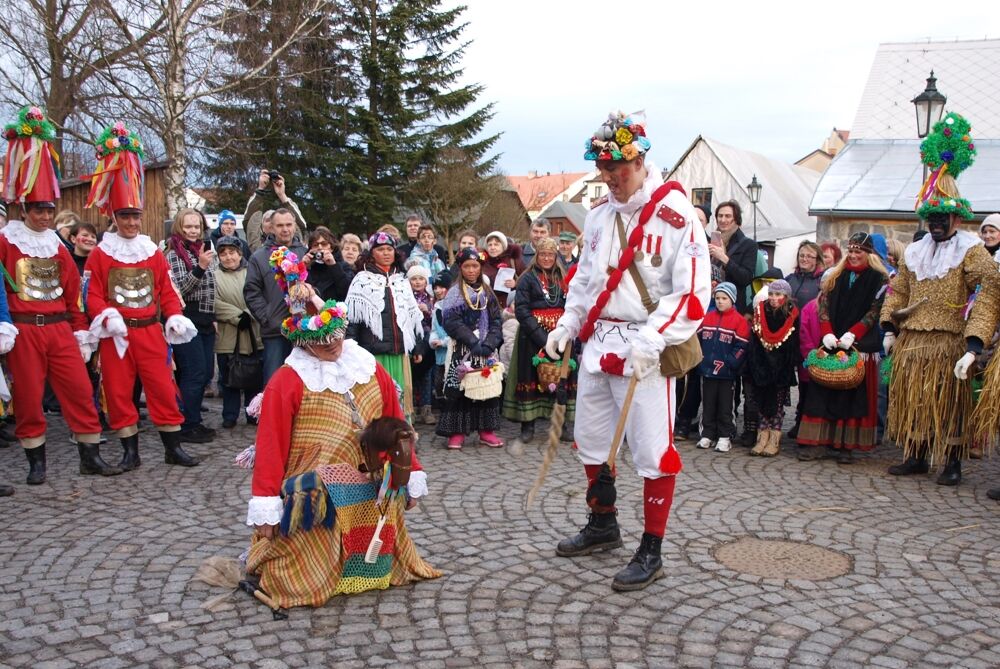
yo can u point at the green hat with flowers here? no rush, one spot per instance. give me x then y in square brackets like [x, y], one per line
[328, 325]
[947, 152]
[621, 137]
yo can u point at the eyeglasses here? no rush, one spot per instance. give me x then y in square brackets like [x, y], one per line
[807, 256]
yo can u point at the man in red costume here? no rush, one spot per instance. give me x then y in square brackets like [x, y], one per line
[43, 292]
[645, 231]
[128, 291]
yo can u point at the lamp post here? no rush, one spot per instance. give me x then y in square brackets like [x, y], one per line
[930, 107]
[753, 189]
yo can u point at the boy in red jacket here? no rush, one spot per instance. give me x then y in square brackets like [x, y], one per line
[724, 335]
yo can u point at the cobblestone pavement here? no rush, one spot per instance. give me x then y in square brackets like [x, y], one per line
[96, 572]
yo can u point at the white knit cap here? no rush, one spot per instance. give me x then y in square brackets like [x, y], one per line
[992, 220]
[501, 237]
[418, 270]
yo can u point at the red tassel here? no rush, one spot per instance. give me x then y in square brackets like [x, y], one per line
[670, 463]
[695, 311]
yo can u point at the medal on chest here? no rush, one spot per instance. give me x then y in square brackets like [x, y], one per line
[38, 279]
[130, 287]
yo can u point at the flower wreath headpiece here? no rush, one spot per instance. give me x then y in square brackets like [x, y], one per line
[620, 137]
[947, 152]
[328, 325]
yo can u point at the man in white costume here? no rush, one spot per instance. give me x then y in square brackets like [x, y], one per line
[648, 230]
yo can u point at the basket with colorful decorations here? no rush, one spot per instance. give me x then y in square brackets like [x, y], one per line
[482, 383]
[548, 371]
[837, 370]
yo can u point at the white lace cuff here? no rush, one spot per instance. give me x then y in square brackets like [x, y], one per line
[109, 323]
[179, 330]
[264, 511]
[417, 485]
[8, 329]
[649, 342]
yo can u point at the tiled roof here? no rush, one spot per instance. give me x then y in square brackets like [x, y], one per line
[968, 74]
[537, 191]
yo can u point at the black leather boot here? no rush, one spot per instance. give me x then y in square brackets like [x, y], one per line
[36, 465]
[646, 566]
[6, 490]
[173, 454]
[91, 461]
[130, 454]
[601, 533]
[912, 465]
[527, 431]
[993, 493]
[952, 472]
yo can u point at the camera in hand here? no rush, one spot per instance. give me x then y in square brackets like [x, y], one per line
[274, 174]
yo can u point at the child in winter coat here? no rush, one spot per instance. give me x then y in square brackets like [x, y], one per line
[423, 372]
[439, 339]
[724, 336]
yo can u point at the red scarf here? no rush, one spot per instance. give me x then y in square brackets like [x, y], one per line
[186, 250]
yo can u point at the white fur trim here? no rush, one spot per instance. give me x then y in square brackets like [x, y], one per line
[264, 511]
[928, 259]
[128, 251]
[417, 486]
[355, 365]
[179, 330]
[35, 244]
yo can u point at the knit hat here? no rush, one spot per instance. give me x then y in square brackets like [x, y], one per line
[226, 215]
[470, 253]
[418, 270]
[728, 288]
[117, 182]
[567, 237]
[947, 151]
[863, 241]
[381, 239]
[228, 240]
[991, 220]
[779, 286]
[620, 137]
[499, 236]
[443, 279]
[31, 169]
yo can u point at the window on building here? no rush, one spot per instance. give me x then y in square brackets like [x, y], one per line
[702, 196]
[598, 191]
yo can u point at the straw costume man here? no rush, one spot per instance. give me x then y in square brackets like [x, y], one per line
[128, 290]
[50, 334]
[652, 226]
[315, 504]
[941, 307]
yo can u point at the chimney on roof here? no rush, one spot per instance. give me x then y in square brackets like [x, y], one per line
[532, 174]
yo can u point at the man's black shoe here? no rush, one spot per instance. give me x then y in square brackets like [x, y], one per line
[993, 493]
[527, 431]
[6, 490]
[194, 436]
[951, 474]
[911, 466]
[601, 533]
[646, 566]
[227, 424]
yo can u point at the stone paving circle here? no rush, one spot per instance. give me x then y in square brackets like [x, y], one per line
[97, 572]
[774, 558]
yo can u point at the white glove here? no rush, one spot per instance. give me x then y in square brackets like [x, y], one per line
[646, 348]
[644, 365]
[179, 330]
[557, 341]
[86, 342]
[8, 333]
[888, 341]
[108, 323]
[829, 341]
[963, 364]
[846, 340]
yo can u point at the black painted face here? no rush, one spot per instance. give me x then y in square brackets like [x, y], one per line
[938, 225]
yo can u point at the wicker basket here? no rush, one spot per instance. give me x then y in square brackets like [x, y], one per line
[479, 387]
[836, 375]
[548, 373]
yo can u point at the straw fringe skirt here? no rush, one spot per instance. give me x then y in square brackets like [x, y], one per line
[928, 406]
[985, 422]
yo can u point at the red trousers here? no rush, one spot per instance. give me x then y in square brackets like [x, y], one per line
[49, 352]
[146, 357]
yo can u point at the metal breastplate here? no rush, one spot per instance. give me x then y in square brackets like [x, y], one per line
[38, 279]
[130, 287]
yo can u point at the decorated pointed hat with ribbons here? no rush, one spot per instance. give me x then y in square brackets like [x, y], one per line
[31, 169]
[117, 182]
[947, 152]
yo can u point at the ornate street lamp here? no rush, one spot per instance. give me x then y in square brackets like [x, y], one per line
[929, 106]
[753, 190]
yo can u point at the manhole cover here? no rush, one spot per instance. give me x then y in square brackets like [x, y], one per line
[773, 558]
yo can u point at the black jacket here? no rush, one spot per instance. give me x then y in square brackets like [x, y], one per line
[740, 269]
[530, 297]
[330, 281]
[460, 323]
[264, 297]
[391, 342]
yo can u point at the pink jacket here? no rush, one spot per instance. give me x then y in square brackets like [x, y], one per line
[809, 335]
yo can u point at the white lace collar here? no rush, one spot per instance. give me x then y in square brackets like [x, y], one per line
[932, 260]
[639, 198]
[128, 251]
[43, 244]
[355, 365]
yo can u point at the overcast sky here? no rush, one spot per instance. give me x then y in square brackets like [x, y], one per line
[771, 77]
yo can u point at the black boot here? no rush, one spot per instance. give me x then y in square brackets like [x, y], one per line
[682, 429]
[912, 465]
[130, 454]
[91, 461]
[173, 454]
[601, 533]
[527, 431]
[749, 438]
[567, 433]
[952, 472]
[646, 566]
[6, 490]
[993, 493]
[36, 465]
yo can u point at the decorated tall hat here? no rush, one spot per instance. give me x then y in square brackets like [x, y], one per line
[324, 322]
[31, 169]
[621, 137]
[117, 182]
[947, 151]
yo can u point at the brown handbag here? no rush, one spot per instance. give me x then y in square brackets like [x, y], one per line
[675, 361]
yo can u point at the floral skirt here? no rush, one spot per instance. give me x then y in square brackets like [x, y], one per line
[460, 414]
